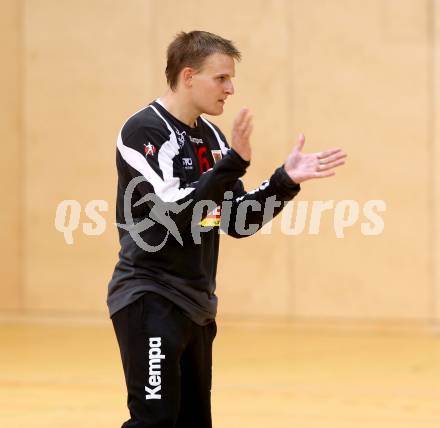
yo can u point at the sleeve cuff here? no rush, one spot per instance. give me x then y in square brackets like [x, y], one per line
[234, 155]
[286, 187]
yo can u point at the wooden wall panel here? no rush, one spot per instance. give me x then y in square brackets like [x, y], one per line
[361, 74]
[435, 156]
[353, 74]
[87, 70]
[11, 172]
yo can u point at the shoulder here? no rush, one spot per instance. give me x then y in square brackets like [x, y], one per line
[218, 134]
[213, 128]
[144, 122]
[210, 125]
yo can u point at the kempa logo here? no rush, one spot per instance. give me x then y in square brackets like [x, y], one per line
[195, 140]
[154, 369]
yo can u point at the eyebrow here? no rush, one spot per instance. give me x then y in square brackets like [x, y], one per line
[224, 74]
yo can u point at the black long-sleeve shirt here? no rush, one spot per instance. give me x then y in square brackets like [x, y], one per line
[170, 179]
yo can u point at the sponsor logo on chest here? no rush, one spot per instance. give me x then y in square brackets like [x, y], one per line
[216, 154]
[195, 140]
[187, 163]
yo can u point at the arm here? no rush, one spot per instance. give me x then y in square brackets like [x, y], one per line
[247, 212]
[148, 153]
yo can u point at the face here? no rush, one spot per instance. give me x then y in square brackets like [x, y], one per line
[212, 84]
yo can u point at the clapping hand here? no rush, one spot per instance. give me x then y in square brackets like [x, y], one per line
[306, 166]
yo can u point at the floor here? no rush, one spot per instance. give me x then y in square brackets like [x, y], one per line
[279, 375]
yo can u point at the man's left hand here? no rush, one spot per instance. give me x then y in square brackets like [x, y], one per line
[306, 166]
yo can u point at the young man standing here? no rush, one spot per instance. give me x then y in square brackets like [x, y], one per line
[173, 163]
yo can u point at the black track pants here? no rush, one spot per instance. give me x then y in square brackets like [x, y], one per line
[167, 361]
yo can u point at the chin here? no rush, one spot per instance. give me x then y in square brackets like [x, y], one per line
[217, 111]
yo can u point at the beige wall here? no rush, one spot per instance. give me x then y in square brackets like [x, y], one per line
[363, 73]
[11, 171]
[87, 69]
[435, 157]
[346, 73]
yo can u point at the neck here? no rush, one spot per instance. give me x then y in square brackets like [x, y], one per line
[180, 108]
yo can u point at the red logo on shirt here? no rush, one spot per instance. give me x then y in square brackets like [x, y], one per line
[203, 160]
[149, 149]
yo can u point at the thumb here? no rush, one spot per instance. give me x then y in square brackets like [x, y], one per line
[301, 141]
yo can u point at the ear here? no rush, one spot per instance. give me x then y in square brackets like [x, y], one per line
[186, 75]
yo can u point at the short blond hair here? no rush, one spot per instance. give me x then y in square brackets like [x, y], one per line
[191, 49]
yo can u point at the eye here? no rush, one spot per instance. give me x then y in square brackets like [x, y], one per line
[221, 78]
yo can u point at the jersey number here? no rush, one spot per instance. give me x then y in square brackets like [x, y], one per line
[203, 160]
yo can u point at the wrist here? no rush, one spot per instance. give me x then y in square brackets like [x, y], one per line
[246, 156]
[239, 157]
[294, 177]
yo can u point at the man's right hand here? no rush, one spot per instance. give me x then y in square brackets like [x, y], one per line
[306, 166]
[241, 132]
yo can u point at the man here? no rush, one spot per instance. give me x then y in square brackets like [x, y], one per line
[174, 169]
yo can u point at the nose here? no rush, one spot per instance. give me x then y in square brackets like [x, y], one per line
[229, 88]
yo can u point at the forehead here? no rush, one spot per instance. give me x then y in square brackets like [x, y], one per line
[218, 63]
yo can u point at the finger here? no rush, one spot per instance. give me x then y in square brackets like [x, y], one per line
[248, 131]
[330, 165]
[245, 122]
[242, 119]
[301, 141]
[324, 174]
[332, 158]
[242, 113]
[326, 153]
[240, 116]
